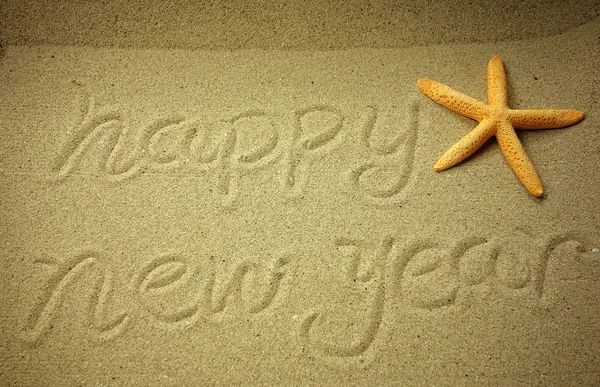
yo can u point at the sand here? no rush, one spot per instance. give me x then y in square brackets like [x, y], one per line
[244, 194]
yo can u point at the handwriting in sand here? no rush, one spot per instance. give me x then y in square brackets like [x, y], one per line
[228, 148]
[179, 291]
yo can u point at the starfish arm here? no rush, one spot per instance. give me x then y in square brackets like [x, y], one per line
[517, 158]
[544, 119]
[454, 100]
[496, 81]
[466, 146]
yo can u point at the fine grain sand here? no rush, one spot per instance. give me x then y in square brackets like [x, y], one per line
[242, 193]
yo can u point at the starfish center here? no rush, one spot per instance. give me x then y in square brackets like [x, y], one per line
[499, 114]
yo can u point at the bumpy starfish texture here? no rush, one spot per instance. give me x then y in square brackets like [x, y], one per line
[496, 119]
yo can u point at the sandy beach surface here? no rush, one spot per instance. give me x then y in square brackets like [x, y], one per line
[243, 193]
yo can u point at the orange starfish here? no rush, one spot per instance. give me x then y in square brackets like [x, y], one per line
[496, 119]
